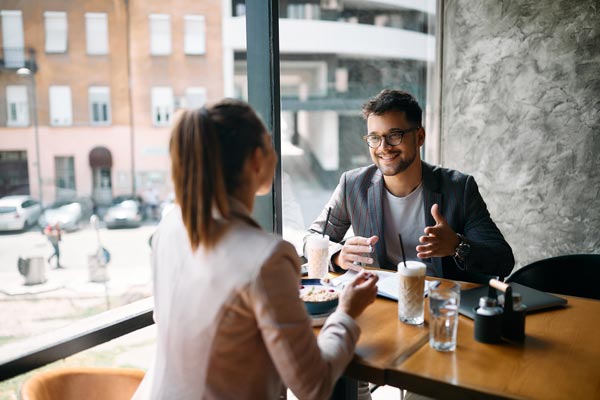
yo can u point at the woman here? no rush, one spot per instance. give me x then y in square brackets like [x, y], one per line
[229, 319]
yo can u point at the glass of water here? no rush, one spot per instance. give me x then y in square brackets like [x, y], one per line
[443, 316]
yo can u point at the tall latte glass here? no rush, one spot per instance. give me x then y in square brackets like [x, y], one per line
[410, 294]
[318, 256]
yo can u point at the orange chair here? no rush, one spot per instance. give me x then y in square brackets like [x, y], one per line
[82, 383]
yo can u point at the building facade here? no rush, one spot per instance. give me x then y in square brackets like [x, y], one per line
[89, 89]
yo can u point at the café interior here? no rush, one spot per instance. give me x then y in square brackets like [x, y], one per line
[515, 102]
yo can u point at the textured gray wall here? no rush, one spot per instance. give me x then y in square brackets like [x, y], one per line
[521, 112]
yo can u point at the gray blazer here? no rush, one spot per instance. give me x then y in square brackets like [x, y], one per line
[357, 202]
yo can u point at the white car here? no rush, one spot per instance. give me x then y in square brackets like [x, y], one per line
[18, 212]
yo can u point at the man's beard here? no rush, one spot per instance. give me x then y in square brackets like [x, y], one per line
[402, 165]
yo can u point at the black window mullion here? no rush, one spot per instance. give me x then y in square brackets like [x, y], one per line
[262, 43]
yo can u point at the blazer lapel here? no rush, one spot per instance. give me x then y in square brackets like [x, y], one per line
[431, 196]
[375, 207]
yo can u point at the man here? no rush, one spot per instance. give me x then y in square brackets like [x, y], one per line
[439, 212]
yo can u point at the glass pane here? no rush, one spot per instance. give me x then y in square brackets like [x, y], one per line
[78, 168]
[334, 55]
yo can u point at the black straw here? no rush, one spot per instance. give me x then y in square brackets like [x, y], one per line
[326, 220]
[402, 248]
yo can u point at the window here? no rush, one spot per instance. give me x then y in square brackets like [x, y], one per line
[195, 97]
[13, 42]
[96, 30]
[195, 34]
[56, 31]
[99, 101]
[160, 34]
[61, 113]
[17, 106]
[64, 175]
[162, 105]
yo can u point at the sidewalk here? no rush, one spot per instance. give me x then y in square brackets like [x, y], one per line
[68, 295]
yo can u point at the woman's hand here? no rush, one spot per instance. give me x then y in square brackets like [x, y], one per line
[358, 294]
[354, 250]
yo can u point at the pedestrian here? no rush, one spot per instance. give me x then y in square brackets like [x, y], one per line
[53, 233]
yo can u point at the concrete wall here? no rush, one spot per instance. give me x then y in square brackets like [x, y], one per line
[521, 112]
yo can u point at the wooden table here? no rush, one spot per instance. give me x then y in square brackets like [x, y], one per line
[560, 358]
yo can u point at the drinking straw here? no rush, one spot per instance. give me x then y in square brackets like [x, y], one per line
[326, 220]
[402, 248]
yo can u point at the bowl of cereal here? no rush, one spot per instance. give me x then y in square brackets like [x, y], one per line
[318, 299]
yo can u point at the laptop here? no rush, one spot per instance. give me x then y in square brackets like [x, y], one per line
[534, 299]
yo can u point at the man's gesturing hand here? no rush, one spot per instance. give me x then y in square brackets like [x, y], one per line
[355, 249]
[439, 240]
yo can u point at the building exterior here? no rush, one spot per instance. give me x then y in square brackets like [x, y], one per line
[89, 89]
[335, 54]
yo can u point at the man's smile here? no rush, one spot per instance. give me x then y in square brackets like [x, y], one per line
[388, 157]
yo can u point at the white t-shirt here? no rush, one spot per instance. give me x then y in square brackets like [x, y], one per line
[404, 215]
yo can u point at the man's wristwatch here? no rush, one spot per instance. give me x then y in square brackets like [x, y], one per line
[462, 249]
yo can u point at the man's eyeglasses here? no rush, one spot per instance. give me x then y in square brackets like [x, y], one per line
[392, 139]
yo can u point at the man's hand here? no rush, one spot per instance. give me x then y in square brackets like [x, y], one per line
[439, 240]
[355, 249]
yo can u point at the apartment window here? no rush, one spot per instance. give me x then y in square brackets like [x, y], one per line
[56, 31]
[61, 113]
[13, 42]
[160, 34]
[64, 173]
[96, 30]
[195, 97]
[162, 105]
[195, 34]
[17, 106]
[99, 101]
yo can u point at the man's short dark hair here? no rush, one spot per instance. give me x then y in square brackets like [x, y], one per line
[394, 100]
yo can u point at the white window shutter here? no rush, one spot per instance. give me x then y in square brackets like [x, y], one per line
[61, 111]
[56, 31]
[195, 35]
[96, 30]
[160, 34]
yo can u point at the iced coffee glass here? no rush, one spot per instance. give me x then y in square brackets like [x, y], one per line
[318, 256]
[410, 294]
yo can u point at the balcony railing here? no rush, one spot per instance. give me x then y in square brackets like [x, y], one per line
[17, 57]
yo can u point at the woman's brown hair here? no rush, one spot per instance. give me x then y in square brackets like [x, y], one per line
[208, 149]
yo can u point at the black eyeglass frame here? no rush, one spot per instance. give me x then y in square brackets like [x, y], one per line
[394, 133]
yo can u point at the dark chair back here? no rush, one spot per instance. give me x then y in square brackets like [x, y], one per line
[572, 275]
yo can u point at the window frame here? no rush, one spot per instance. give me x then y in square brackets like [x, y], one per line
[99, 91]
[156, 47]
[189, 45]
[10, 93]
[96, 34]
[56, 41]
[53, 101]
[13, 40]
[157, 95]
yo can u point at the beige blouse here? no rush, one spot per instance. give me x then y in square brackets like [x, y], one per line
[230, 323]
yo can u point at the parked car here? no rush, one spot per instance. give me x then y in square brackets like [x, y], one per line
[69, 214]
[125, 212]
[18, 212]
